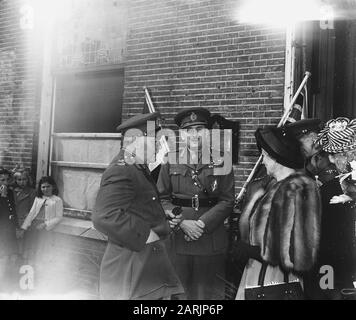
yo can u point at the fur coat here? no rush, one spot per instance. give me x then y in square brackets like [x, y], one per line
[284, 222]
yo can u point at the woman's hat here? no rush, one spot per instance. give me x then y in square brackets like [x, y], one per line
[338, 135]
[303, 127]
[281, 146]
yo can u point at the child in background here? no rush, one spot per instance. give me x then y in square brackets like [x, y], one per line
[24, 196]
[8, 225]
[45, 214]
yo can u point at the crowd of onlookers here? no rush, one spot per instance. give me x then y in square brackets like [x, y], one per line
[26, 216]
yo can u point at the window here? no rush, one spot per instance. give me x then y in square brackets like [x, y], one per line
[89, 101]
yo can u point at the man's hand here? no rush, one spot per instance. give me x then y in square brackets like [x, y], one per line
[173, 220]
[193, 229]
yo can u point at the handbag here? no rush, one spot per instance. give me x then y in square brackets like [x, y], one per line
[282, 291]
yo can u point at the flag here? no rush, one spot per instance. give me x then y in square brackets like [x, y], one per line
[299, 108]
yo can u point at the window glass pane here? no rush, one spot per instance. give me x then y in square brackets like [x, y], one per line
[89, 102]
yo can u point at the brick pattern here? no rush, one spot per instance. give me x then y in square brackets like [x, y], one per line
[194, 53]
[19, 63]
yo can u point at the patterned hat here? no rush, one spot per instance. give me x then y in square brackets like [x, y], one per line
[338, 135]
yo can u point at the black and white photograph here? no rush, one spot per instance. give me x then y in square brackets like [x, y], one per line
[190, 151]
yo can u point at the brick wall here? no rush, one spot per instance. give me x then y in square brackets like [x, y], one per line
[19, 63]
[194, 53]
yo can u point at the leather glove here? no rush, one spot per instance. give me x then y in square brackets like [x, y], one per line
[242, 251]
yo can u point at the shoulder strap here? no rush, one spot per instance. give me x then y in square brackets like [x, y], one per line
[262, 275]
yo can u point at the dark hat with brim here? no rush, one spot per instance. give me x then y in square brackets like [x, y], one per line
[302, 127]
[140, 122]
[192, 117]
[280, 146]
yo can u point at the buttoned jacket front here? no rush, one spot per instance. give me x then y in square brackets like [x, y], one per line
[175, 181]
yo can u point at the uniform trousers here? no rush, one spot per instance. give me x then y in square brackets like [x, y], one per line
[201, 276]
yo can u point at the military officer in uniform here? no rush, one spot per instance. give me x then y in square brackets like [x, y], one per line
[199, 242]
[128, 211]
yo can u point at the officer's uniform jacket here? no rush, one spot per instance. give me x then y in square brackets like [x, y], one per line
[175, 181]
[126, 208]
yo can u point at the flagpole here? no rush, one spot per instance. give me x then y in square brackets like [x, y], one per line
[287, 113]
[281, 123]
[150, 105]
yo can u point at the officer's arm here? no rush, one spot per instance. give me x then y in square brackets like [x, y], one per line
[217, 214]
[113, 214]
[164, 187]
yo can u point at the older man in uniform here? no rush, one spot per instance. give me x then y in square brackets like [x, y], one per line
[127, 209]
[206, 199]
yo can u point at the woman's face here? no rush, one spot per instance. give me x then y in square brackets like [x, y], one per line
[269, 163]
[308, 146]
[21, 180]
[47, 189]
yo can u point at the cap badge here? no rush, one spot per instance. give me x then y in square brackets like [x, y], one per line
[193, 116]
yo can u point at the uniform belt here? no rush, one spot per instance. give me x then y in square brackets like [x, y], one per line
[195, 202]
